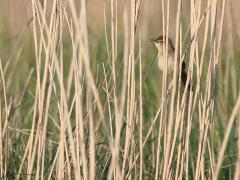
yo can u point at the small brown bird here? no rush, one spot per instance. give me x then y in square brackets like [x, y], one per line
[159, 44]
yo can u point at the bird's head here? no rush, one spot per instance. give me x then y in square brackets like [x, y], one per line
[160, 43]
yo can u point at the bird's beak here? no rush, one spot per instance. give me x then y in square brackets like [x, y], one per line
[152, 40]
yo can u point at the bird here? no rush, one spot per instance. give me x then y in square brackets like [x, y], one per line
[160, 43]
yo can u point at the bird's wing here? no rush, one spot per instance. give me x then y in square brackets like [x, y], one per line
[184, 75]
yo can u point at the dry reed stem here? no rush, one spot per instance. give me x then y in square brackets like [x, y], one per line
[100, 119]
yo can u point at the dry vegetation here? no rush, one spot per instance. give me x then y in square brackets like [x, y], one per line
[79, 101]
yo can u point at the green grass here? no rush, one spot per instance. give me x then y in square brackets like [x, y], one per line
[21, 115]
[21, 88]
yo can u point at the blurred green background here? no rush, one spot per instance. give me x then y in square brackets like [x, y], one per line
[18, 58]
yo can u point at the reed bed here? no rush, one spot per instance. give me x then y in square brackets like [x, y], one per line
[92, 107]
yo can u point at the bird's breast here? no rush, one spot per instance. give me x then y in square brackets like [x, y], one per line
[161, 63]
